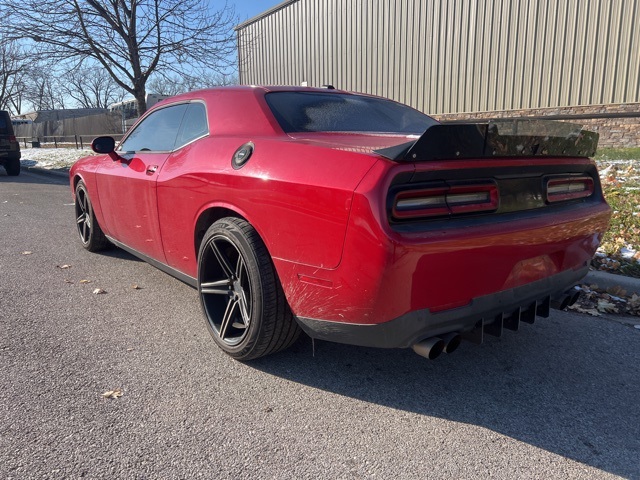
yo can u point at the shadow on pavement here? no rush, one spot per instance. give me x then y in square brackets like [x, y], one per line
[568, 385]
[115, 252]
[27, 177]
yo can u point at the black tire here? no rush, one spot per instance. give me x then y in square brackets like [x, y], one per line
[241, 296]
[12, 166]
[91, 235]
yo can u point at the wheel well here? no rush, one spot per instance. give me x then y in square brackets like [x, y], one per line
[208, 218]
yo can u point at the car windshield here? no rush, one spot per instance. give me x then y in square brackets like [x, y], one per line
[336, 112]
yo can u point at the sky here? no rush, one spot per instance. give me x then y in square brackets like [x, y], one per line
[247, 9]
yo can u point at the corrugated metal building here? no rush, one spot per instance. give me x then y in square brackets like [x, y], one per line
[456, 57]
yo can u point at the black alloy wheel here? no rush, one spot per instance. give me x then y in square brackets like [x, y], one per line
[246, 311]
[91, 235]
[227, 291]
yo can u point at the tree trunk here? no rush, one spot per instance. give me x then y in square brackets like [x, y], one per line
[141, 101]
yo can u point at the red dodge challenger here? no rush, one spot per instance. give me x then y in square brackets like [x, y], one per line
[353, 218]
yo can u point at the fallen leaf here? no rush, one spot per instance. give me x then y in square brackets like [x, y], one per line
[63, 267]
[85, 281]
[606, 306]
[99, 291]
[136, 287]
[27, 252]
[117, 393]
[617, 291]
[66, 280]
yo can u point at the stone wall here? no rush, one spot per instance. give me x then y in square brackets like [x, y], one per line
[614, 131]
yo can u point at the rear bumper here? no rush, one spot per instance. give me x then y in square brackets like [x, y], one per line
[522, 302]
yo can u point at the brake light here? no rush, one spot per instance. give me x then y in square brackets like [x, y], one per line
[12, 138]
[446, 200]
[569, 188]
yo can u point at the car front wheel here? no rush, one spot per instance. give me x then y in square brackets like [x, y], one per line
[91, 235]
[245, 307]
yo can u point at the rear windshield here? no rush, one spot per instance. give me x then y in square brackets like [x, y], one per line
[333, 112]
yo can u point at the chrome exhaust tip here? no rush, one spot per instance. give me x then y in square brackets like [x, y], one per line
[430, 348]
[560, 302]
[451, 342]
[566, 299]
[574, 297]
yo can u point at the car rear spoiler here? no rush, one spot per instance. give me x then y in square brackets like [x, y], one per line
[502, 138]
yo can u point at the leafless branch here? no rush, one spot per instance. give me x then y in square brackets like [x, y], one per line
[131, 39]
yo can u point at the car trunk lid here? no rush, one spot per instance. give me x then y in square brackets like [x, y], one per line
[367, 143]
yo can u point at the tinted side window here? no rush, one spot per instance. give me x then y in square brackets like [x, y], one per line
[194, 124]
[157, 132]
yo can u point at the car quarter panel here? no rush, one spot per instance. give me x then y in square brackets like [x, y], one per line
[386, 273]
[297, 197]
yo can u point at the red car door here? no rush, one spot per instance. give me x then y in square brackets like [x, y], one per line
[127, 187]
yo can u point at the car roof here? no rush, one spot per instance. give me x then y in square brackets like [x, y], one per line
[256, 88]
[237, 101]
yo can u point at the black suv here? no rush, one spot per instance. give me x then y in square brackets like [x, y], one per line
[9, 147]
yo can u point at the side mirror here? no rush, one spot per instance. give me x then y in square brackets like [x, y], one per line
[103, 145]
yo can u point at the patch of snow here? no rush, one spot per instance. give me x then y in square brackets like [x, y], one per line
[52, 157]
[627, 252]
[618, 299]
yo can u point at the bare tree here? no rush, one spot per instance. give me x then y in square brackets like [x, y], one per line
[166, 85]
[91, 88]
[14, 67]
[220, 80]
[43, 93]
[175, 84]
[131, 39]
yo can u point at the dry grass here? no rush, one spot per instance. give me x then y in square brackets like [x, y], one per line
[620, 175]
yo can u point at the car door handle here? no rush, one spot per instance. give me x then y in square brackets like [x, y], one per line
[151, 169]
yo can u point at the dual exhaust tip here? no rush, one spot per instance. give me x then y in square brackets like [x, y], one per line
[431, 348]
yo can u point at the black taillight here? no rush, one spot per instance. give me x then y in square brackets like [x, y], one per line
[445, 200]
[560, 189]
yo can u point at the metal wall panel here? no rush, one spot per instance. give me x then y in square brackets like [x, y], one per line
[451, 56]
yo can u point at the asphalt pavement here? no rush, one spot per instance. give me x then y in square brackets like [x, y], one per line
[558, 399]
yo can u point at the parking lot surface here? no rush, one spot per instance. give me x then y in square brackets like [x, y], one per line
[560, 398]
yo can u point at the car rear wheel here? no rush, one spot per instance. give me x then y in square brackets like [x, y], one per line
[245, 307]
[91, 235]
[12, 167]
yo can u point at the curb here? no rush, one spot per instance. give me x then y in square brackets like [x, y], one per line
[607, 280]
